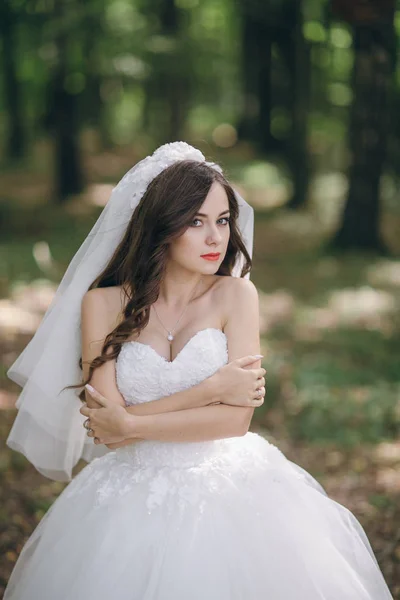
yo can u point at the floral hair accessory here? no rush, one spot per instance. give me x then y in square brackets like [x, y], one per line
[151, 166]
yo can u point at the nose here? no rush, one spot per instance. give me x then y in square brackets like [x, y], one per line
[213, 235]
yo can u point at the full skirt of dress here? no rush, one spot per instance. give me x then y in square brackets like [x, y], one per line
[232, 519]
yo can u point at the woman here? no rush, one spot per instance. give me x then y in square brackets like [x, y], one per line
[184, 502]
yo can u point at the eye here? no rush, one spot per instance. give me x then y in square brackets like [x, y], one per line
[225, 219]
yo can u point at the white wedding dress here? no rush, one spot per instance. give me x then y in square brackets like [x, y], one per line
[229, 519]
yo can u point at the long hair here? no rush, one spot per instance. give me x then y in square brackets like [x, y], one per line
[166, 209]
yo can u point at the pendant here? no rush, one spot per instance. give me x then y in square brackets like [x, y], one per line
[170, 337]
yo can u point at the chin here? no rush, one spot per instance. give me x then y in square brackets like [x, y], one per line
[210, 269]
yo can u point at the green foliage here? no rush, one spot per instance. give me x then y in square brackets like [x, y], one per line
[344, 389]
[347, 388]
[346, 415]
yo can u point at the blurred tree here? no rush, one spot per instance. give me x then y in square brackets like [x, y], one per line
[372, 22]
[10, 19]
[94, 32]
[255, 120]
[168, 89]
[264, 26]
[64, 88]
[276, 74]
[298, 60]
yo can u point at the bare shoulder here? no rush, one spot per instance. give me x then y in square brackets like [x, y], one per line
[241, 317]
[96, 300]
[102, 304]
[98, 313]
[236, 295]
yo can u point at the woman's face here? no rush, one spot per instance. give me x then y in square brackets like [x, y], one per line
[208, 234]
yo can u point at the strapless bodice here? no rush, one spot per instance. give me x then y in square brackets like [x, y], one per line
[143, 375]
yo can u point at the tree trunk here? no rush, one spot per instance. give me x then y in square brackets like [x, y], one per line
[374, 45]
[68, 161]
[15, 142]
[95, 111]
[255, 123]
[65, 120]
[279, 24]
[168, 91]
[299, 159]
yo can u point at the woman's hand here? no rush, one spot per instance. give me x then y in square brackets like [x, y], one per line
[240, 386]
[110, 424]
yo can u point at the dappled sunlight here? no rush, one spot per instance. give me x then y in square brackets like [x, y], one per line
[388, 452]
[224, 135]
[388, 480]
[98, 194]
[15, 319]
[46, 264]
[265, 184]
[297, 223]
[275, 309]
[364, 307]
[24, 310]
[327, 196]
[267, 198]
[7, 399]
[360, 308]
[387, 455]
[95, 195]
[311, 322]
[384, 272]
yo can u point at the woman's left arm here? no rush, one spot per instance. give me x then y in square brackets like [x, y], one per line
[210, 422]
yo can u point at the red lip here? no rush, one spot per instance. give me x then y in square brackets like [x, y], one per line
[211, 256]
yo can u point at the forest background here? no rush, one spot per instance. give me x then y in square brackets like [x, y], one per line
[298, 100]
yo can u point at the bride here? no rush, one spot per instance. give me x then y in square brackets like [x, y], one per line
[157, 317]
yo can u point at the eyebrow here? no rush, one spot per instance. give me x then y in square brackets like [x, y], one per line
[220, 214]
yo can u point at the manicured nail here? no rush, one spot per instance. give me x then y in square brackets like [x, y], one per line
[89, 387]
[259, 356]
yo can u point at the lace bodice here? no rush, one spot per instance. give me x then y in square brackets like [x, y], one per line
[143, 375]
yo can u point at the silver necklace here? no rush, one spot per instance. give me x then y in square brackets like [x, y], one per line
[170, 335]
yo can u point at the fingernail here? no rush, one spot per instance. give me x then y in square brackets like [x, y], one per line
[89, 387]
[259, 356]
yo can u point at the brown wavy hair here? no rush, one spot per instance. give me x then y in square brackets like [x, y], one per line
[167, 208]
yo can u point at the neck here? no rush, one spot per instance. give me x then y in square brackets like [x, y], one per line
[177, 290]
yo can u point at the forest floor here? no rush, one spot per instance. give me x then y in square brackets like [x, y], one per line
[330, 336]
